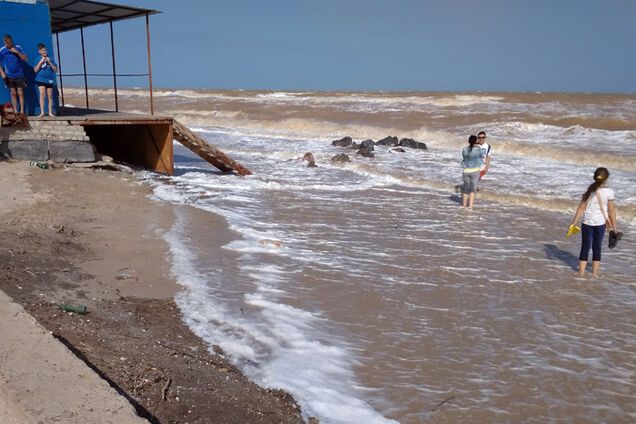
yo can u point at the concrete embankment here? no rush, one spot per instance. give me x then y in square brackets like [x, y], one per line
[41, 381]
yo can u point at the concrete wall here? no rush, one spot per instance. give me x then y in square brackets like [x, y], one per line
[28, 24]
[55, 140]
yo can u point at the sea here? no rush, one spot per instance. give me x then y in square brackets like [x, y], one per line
[364, 288]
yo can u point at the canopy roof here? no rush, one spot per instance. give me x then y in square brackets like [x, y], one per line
[67, 15]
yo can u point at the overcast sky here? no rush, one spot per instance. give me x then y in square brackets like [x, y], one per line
[423, 45]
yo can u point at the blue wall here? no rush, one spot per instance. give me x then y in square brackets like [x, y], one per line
[28, 24]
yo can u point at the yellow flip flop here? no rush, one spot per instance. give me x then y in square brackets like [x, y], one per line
[573, 230]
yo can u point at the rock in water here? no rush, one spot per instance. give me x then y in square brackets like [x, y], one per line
[343, 142]
[367, 144]
[409, 142]
[366, 153]
[388, 141]
[341, 158]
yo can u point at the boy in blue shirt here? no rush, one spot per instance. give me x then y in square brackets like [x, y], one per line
[45, 70]
[11, 58]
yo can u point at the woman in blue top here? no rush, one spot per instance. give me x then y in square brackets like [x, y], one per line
[45, 71]
[473, 159]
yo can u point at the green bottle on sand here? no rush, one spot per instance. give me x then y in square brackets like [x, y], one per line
[70, 307]
[41, 165]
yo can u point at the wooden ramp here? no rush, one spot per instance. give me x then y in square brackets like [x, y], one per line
[207, 151]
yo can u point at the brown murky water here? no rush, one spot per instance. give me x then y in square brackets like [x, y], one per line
[386, 301]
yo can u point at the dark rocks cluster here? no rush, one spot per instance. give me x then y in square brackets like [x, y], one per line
[366, 147]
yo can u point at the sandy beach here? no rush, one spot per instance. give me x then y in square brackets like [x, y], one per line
[92, 237]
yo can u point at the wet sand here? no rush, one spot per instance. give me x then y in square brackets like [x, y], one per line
[93, 237]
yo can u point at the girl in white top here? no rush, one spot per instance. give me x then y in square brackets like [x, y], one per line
[597, 208]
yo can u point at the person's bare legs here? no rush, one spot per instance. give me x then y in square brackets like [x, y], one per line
[21, 97]
[49, 96]
[582, 266]
[464, 199]
[471, 200]
[14, 99]
[42, 90]
[596, 267]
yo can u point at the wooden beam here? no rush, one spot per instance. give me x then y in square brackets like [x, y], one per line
[205, 150]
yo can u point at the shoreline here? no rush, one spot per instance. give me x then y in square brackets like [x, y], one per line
[94, 238]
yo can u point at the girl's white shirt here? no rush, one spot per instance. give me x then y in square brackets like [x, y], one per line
[593, 214]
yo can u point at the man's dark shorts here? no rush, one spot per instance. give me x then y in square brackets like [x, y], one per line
[16, 82]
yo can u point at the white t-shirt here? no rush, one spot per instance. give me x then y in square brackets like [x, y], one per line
[486, 147]
[593, 214]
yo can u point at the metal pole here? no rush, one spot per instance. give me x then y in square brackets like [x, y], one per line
[152, 109]
[112, 50]
[84, 62]
[59, 64]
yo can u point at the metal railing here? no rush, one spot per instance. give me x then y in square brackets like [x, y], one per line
[114, 74]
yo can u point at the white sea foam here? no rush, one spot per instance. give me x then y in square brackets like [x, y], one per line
[280, 95]
[279, 349]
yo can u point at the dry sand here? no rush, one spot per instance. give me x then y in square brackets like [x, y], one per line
[93, 237]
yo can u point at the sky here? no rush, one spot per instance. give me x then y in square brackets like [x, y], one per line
[370, 45]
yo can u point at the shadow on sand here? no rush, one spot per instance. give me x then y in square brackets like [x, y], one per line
[553, 252]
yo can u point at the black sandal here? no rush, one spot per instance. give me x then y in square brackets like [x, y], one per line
[614, 238]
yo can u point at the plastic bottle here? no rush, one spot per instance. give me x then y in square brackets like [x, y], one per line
[41, 165]
[71, 307]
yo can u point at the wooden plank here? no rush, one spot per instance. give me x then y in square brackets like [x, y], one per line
[119, 121]
[205, 150]
[98, 115]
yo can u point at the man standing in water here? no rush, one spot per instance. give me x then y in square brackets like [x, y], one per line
[481, 140]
